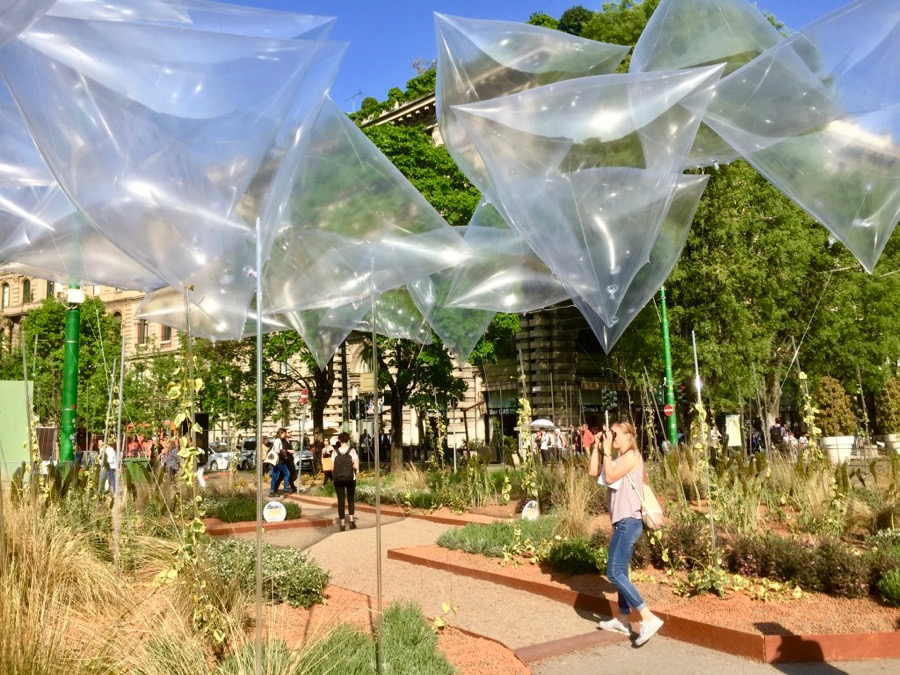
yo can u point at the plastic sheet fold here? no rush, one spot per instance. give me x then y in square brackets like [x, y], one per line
[819, 116]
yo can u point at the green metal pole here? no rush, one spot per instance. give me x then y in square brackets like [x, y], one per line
[667, 352]
[70, 381]
[344, 389]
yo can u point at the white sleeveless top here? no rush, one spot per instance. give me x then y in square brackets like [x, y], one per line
[625, 502]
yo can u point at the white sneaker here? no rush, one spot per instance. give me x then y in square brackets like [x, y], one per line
[648, 630]
[614, 626]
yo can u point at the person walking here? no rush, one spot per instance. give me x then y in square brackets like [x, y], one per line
[277, 458]
[346, 465]
[327, 460]
[622, 476]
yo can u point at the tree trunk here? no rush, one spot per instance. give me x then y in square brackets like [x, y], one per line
[396, 435]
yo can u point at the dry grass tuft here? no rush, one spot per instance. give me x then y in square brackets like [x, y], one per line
[572, 495]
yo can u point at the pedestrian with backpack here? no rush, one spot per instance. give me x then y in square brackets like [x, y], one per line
[344, 468]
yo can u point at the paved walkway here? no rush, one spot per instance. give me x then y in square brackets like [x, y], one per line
[517, 619]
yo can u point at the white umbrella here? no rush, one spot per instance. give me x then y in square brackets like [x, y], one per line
[542, 424]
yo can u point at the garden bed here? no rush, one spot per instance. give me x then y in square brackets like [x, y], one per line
[470, 654]
[216, 528]
[815, 627]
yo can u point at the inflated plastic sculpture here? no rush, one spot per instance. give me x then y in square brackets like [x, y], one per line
[482, 59]
[819, 116]
[354, 225]
[600, 159]
[691, 33]
[665, 253]
[169, 153]
[323, 330]
[458, 328]
[17, 15]
[41, 232]
[504, 274]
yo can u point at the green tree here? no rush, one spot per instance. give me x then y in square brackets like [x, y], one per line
[544, 20]
[620, 24]
[423, 375]
[574, 19]
[429, 168]
[43, 333]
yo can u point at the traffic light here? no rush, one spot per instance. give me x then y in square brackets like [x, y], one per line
[682, 393]
[660, 394]
[614, 400]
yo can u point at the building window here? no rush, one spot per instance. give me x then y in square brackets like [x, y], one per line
[142, 332]
[5, 296]
[26, 291]
[165, 333]
[117, 316]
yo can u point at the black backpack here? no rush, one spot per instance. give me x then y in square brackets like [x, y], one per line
[342, 471]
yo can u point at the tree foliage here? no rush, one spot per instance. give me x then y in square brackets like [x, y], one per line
[544, 20]
[43, 333]
[574, 19]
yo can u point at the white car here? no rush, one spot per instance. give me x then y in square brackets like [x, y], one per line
[220, 461]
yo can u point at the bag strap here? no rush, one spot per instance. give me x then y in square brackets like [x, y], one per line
[640, 493]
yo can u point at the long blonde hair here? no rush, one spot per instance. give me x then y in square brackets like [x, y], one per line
[629, 428]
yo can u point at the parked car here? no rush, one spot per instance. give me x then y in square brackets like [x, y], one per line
[220, 457]
[307, 461]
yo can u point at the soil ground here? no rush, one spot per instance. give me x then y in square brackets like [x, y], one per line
[514, 618]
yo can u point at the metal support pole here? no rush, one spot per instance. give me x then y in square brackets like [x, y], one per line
[379, 645]
[344, 384]
[667, 355]
[70, 381]
[259, 447]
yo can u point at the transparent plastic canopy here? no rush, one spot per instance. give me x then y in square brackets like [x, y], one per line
[819, 116]
[586, 170]
[458, 328]
[483, 59]
[17, 15]
[167, 306]
[690, 33]
[216, 17]
[324, 330]
[504, 274]
[354, 225]
[650, 277]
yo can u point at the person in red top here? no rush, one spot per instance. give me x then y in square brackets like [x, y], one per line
[587, 438]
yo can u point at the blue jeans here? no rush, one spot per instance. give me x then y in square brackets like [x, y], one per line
[625, 534]
[279, 473]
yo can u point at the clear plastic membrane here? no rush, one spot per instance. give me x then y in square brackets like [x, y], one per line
[819, 116]
[483, 59]
[733, 32]
[175, 175]
[214, 17]
[324, 330]
[167, 306]
[600, 159]
[458, 328]
[396, 316]
[17, 15]
[504, 274]
[650, 277]
[354, 225]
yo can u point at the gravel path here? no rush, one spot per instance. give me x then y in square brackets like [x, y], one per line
[515, 618]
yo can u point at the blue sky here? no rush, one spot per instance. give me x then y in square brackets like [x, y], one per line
[387, 36]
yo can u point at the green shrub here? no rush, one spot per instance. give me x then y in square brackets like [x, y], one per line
[575, 556]
[889, 586]
[288, 575]
[237, 509]
[773, 557]
[880, 560]
[490, 540]
[686, 540]
[841, 571]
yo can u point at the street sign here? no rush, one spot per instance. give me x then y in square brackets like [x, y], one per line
[304, 396]
[669, 410]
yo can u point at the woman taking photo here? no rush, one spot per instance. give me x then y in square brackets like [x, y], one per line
[624, 476]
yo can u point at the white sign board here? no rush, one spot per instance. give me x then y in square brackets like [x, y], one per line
[733, 431]
[531, 511]
[274, 512]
